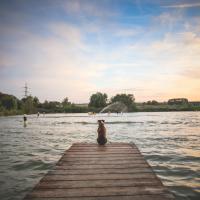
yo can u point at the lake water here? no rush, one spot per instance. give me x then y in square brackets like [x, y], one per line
[170, 142]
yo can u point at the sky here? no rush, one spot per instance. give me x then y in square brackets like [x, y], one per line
[74, 48]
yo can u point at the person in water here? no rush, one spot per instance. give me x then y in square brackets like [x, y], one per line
[25, 120]
[101, 133]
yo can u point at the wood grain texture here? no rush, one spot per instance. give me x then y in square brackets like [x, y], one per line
[116, 171]
[100, 171]
[99, 183]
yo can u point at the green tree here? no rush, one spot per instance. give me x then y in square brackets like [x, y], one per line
[98, 100]
[154, 102]
[127, 99]
[9, 102]
[28, 105]
[36, 101]
[53, 104]
[65, 102]
[45, 104]
[1, 107]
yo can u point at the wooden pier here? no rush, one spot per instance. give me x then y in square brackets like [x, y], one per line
[116, 171]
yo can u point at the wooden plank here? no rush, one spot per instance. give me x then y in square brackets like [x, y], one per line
[103, 150]
[97, 176]
[121, 144]
[96, 166]
[107, 158]
[165, 196]
[106, 191]
[101, 153]
[103, 147]
[101, 162]
[116, 171]
[100, 171]
[99, 183]
[132, 197]
[101, 156]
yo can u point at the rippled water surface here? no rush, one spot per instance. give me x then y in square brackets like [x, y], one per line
[170, 142]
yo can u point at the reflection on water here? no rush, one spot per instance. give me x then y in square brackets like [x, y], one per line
[169, 141]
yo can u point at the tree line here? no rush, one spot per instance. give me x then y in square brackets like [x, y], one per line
[100, 100]
[11, 105]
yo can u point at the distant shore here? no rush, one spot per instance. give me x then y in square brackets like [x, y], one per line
[140, 107]
[99, 102]
[164, 107]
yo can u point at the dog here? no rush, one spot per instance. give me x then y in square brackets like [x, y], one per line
[101, 133]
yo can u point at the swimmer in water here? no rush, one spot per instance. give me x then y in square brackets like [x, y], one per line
[25, 120]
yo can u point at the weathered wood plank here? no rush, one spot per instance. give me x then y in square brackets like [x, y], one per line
[106, 145]
[101, 162]
[103, 147]
[121, 144]
[97, 176]
[100, 171]
[103, 150]
[96, 166]
[102, 159]
[165, 196]
[106, 191]
[69, 155]
[116, 171]
[101, 153]
[99, 183]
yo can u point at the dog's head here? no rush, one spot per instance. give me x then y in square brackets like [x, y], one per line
[101, 122]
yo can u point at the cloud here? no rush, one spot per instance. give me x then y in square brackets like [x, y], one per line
[185, 5]
[70, 34]
[191, 73]
[88, 8]
[54, 66]
[5, 61]
[165, 63]
[127, 32]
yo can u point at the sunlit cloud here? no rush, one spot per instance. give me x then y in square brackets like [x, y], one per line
[191, 73]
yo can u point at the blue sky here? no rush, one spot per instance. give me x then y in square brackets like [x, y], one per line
[74, 48]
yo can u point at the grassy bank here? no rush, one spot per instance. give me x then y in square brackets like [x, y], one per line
[164, 107]
[77, 108]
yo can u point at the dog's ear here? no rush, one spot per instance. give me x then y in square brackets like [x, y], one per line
[103, 121]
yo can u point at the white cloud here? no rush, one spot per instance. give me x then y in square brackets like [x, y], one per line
[184, 5]
[127, 32]
[69, 34]
[54, 66]
[88, 8]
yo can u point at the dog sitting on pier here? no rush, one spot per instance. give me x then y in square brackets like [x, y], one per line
[101, 133]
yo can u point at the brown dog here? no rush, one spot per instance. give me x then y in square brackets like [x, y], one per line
[101, 133]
